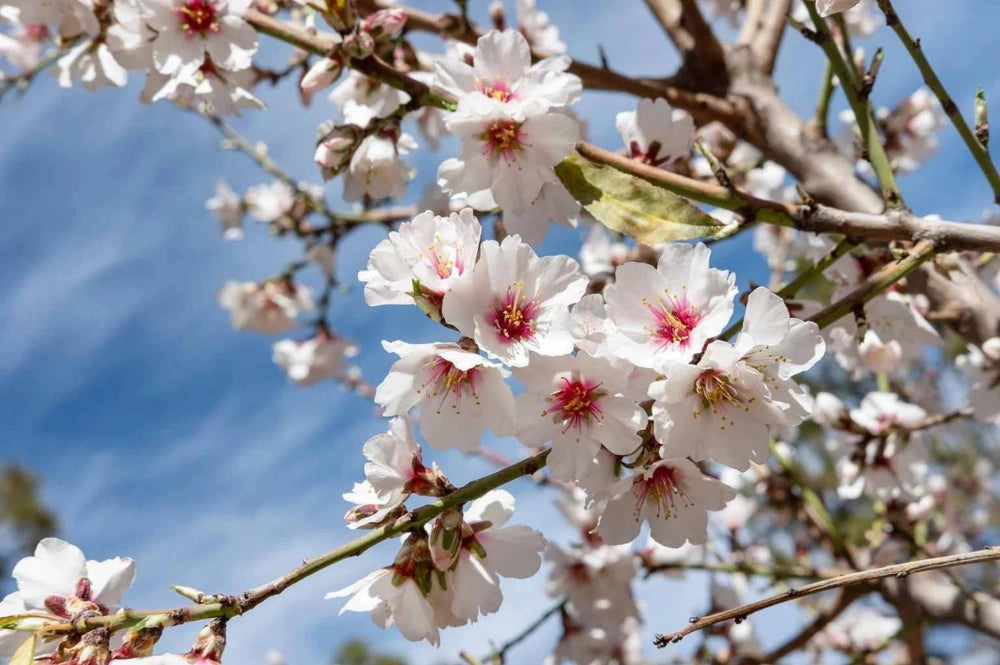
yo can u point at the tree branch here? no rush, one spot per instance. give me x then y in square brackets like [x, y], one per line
[898, 571]
[767, 42]
[893, 225]
[230, 606]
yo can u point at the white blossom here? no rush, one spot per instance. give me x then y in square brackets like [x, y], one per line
[672, 495]
[513, 302]
[270, 308]
[323, 356]
[576, 403]
[431, 250]
[655, 133]
[459, 393]
[669, 311]
[59, 580]
[227, 206]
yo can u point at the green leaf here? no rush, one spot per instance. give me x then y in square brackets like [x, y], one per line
[633, 206]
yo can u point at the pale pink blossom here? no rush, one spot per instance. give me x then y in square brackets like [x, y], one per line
[58, 580]
[188, 31]
[654, 133]
[719, 409]
[459, 393]
[270, 308]
[323, 356]
[576, 403]
[669, 311]
[513, 302]
[428, 253]
[673, 495]
[228, 208]
[490, 551]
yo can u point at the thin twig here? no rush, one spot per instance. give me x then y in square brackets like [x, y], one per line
[900, 570]
[915, 49]
[498, 655]
[861, 107]
[230, 606]
[822, 620]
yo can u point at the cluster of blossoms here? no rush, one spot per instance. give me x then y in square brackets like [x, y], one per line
[619, 370]
[626, 388]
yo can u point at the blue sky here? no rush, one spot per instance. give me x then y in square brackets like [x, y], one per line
[162, 434]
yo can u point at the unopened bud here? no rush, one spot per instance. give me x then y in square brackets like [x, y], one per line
[209, 645]
[321, 74]
[359, 45]
[336, 148]
[189, 592]
[429, 302]
[385, 23]
[446, 539]
[139, 641]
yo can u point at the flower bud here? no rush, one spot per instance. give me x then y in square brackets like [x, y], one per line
[336, 148]
[359, 513]
[446, 539]
[321, 74]
[385, 23]
[209, 645]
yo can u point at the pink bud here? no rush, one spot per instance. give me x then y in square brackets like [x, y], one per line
[321, 74]
[384, 23]
[359, 45]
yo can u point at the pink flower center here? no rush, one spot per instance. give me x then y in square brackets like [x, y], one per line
[446, 380]
[576, 402]
[503, 137]
[513, 317]
[649, 156]
[36, 32]
[198, 16]
[675, 320]
[446, 262]
[498, 90]
[663, 488]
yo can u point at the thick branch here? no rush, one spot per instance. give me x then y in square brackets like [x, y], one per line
[898, 571]
[704, 58]
[767, 41]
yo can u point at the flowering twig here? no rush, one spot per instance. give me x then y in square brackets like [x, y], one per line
[230, 606]
[900, 570]
[879, 282]
[914, 48]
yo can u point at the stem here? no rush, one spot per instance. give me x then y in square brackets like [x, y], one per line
[234, 605]
[879, 282]
[899, 570]
[777, 574]
[497, 657]
[825, 97]
[861, 107]
[914, 48]
[822, 620]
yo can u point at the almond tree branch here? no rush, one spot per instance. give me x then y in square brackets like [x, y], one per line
[230, 606]
[898, 571]
[914, 48]
[767, 42]
[893, 225]
[704, 58]
[704, 107]
[876, 284]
